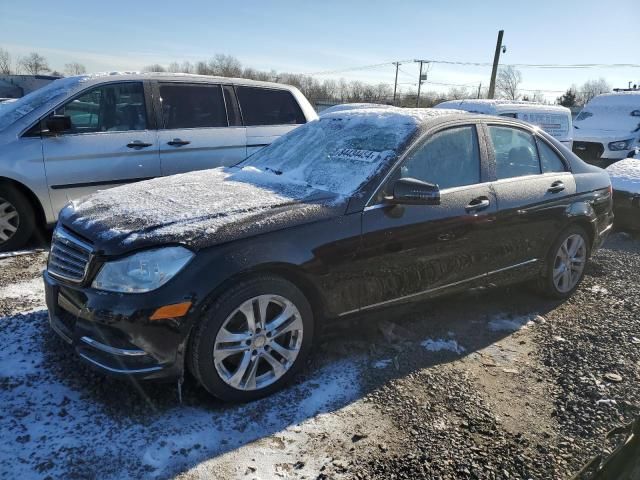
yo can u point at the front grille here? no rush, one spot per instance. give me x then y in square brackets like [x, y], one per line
[69, 257]
[590, 152]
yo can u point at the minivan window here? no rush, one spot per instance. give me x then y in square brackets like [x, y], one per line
[233, 110]
[261, 106]
[550, 160]
[515, 151]
[450, 158]
[192, 106]
[109, 108]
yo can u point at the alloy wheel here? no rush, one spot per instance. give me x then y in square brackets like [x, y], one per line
[258, 343]
[569, 263]
[9, 220]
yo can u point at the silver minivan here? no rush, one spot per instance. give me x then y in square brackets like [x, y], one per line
[85, 133]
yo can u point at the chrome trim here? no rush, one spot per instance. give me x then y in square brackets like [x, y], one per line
[119, 370]
[430, 290]
[64, 238]
[112, 350]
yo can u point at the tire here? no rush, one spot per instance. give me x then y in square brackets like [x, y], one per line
[17, 219]
[274, 358]
[555, 282]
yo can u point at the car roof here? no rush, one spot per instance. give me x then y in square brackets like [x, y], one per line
[484, 105]
[425, 118]
[96, 78]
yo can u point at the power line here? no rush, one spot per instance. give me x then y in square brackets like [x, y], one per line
[486, 64]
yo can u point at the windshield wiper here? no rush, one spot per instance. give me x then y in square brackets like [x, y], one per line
[277, 172]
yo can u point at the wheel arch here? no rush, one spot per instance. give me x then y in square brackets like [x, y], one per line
[41, 219]
[582, 214]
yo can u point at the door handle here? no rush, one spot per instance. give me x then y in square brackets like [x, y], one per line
[477, 204]
[138, 144]
[556, 187]
[176, 142]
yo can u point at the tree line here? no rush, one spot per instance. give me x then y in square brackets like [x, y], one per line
[330, 90]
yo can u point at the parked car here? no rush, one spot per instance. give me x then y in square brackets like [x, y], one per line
[553, 119]
[231, 271]
[608, 128]
[80, 134]
[625, 179]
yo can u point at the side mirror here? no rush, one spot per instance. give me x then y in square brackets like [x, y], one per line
[56, 124]
[410, 191]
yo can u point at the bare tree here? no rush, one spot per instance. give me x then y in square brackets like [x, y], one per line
[458, 93]
[155, 67]
[592, 88]
[74, 68]
[34, 64]
[508, 81]
[5, 62]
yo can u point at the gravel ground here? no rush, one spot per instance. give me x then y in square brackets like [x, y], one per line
[493, 385]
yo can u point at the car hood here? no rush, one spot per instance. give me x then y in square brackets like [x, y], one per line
[602, 135]
[197, 209]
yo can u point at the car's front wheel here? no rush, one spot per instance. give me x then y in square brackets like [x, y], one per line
[566, 262]
[253, 339]
[17, 221]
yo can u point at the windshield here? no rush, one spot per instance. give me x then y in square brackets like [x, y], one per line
[337, 153]
[11, 112]
[611, 112]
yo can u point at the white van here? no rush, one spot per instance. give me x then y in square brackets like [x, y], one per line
[608, 128]
[81, 134]
[553, 119]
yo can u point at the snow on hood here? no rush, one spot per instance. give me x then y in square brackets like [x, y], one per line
[625, 175]
[610, 112]
[199, 209]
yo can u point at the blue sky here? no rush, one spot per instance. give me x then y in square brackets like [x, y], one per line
[306, 37]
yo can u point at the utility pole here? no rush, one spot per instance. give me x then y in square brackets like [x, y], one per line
[479, 88]
[420, 79]
[395, 85]
[496, 60]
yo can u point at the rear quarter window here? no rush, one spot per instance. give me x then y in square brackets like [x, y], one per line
[261, 106]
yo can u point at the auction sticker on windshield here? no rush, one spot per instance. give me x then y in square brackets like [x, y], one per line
[368, 156]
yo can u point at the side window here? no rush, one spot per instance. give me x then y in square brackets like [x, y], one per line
[192, 106]
[110, 108]
[261, 106]
[450, 158]
[549, 159]
[510, 115]
[515, 151]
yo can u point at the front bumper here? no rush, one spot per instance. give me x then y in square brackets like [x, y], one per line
[112, 332]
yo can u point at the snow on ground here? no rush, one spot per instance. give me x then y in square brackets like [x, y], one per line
[625, 175]
[440, 344]
[48, 420]
[509, 323]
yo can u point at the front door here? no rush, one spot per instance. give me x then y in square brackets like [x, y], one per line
[411, 251]
[195, 133]
[109, 143]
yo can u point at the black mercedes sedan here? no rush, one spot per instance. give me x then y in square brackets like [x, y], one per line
[230, 272]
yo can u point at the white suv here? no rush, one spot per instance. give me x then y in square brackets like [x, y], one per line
[608, 128]
[84, 133]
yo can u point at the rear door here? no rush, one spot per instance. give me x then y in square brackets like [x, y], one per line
[413, 250]
[268, 114]
[198, 131]
[533, 187]
[112, 141]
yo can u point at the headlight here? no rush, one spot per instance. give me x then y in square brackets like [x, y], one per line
[142, 272]
[621, 144]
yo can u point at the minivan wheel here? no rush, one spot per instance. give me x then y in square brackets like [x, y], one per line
[16, 218]
[566, 262]
[252, 340]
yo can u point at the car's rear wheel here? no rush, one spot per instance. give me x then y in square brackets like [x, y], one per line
[252, 340]
[566, 262]
[16, 218]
